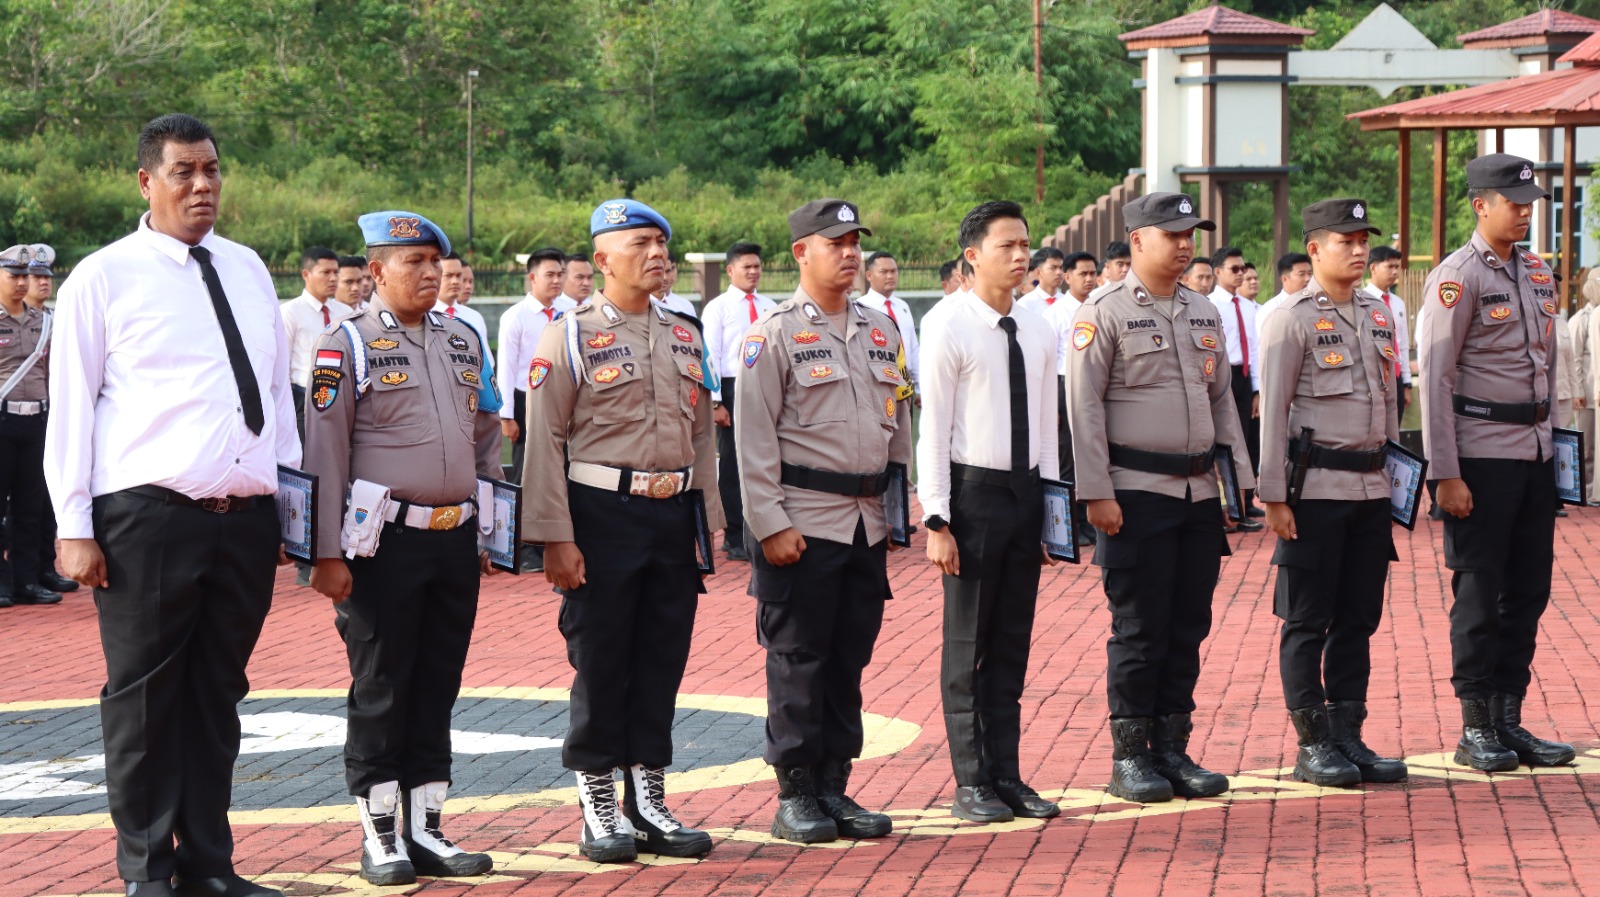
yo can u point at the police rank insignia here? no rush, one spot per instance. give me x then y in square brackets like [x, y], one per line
[1539, 278]
[1379, 319]
[472, 403]
[1082, 335]
[1500, 312]
[821, 370]
[471, 377]
[1210, 367]
[393, 378]
[1449, 293]
[753, 347]
[806, 337]
[611, 314]
[888, 407]
[325, 386]
[682, 333]
[812, 313]
[1209, 341]
[1332, 358]
[457, 343]
[537, 371]
[606, 375]
[382, 344]
[1159, 340]
[878, 339]
[601, 339]
[1388, 352]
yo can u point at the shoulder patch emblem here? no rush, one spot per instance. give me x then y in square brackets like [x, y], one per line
[806, 337]
[325, 386]
[601, 339]
[682, 333]
[606, 375]
[1379, 318]
[382, 344]
[537, 372]
[457, 343]
[878, 339]
[753, 346]
[1332, 358]
[1449, 293]
[821, 370]
[1500, 312]
[1082, 335]
[1532, 260]
[393, 378]
[1209, 341]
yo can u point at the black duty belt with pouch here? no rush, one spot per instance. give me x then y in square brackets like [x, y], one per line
[1170, 464]
[853, 484]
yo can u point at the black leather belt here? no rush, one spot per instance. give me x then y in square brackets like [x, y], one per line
[988, 476]
[1345, 459]
[1169, 464]
[854, 485]
[225, 505]
[1503, 412]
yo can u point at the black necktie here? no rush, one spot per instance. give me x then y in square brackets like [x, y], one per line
[1019, 408]
[249, 391]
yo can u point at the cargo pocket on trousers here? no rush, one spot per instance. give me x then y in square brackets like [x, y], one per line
[352, 624]
[1299, 563]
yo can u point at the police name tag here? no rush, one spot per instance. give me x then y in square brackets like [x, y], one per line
[297, 513]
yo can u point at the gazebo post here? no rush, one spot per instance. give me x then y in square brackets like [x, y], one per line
[1439, 146]
[1569, 238]
[1499, 140]
[1405, 198]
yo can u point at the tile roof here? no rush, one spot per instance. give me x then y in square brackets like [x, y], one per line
[1545, 21]
[1586, 53]
[1218, 21]
[1566, 92]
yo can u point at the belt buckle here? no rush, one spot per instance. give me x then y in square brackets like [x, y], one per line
[663, 485]
[216, 505]
[444, 518]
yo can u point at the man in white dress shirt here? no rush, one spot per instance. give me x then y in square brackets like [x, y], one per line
[988, 435]
[948, 282]
[520, 328]
[883, 278]
[351, 286]
[170, 371]
[1082, 277]
[1294, 272]
[1238, 316]
[1383, 271]
[452, 290]
[1118, 262]
[1047, 268]
[726, 319]
[306, 316]
[577, 278]
[672, 300]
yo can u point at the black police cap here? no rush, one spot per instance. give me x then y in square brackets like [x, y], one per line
[1342, 216]
[828, 217]
[1508, 175]
[1168, 211]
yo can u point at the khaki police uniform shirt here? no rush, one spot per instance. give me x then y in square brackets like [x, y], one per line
[19, 336]
[1321, 371]
[619, 390]
[812, 396]
[416, 430]
[1139, 379]
[1490, 335]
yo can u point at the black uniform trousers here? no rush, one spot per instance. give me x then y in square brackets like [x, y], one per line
[1501, 555]
[1243, 399]
[818, 618]
[988, 625]
[189, 592]
[23, 494]
[297, 394]
[728, 472]
[1329, 595]
[519, 408]
[406, 627]
[628, 628]
[1160, 571]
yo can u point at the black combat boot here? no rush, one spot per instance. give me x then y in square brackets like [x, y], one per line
[1344, 727]
[1133, 774]
[430, 851]
[1169, 745]
[1505, 711]
[1480, 747]
[853, 821]
[799, 817]
[1318, 761]
[607, 837]
[655, 829]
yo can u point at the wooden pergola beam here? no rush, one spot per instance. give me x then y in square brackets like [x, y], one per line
[1440, 153]
[1569, 196]
[1405, 198]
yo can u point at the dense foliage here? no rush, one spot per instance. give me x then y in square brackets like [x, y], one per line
[724, 113]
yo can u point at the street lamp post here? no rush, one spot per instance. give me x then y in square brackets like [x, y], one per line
[472, 75]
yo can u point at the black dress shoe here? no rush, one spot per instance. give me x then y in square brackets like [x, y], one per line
[5, 601]
[1561, 512]
[1024, 801]
[1251, 526]
[35, 594]
[55, 582]
[980, 803]
[736, 553]
[149, 889]
[229, 885]
[532, 559]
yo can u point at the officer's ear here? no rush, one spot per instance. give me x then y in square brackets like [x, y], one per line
[799, 250]
[602, 261]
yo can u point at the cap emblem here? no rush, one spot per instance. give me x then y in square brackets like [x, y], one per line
[845, 214]
[616, 212]
[1527, 174]
[405, 228]
[1184, 207]
[1359, 211]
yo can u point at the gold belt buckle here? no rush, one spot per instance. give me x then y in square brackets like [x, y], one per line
[663, 485]
[444, 518]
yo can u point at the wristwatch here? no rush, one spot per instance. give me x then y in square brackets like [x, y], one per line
[936, 523]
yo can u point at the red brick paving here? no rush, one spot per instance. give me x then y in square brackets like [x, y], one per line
[1466, 834]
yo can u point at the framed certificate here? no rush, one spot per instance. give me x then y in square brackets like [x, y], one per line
[702, 533]
[1570, 485]
[1060, 535]
[1407, 477]
[505, 509]
[897, 506]
[297, 513]
[1228, 476]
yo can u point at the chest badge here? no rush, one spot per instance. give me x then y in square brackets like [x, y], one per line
[1209, 341]
[472, 403]
[878, 339]
[806, 337]
[888, 407]
[1379, 318]
[1210, 366]
[1333, 358]
[393, 378]
[1159, 340]
[1539, 278]
[1388, 352]
[1550, 307]
[382, 344]
[695, 371]
[1500, 312]
[892, 374]
[471, 377]
[1324, 324]
[1082, 335]
[820, 371]
[682, 333]
[457, 343]
[601, 339]
[606, 375]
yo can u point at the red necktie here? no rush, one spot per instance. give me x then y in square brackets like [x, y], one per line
[326, 320]
[1388, 299]
[550, 314]
[1244, 341]
[889, 307]
[451, 311]
[751, 298]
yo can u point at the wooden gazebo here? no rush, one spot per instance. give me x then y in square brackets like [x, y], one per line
[1562, 99]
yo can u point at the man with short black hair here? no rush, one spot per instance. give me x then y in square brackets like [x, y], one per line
[1118, 261]
[947, 277]
[578, 284]
[349, 288]
[1250, 286]
[883, 276]
[452, 293]
[1199, 276]
[1081, 278]
[307, 315]
[1238, 316]
[1294, 272]
[520, 328]
[670, 299]
[1046, 268]
[726, 319]
[1383, 267]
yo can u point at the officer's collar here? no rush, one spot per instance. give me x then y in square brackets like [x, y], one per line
[1142, 294]
[1487, 255]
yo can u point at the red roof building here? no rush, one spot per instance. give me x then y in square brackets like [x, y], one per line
[1547, 26]
[1204, 26]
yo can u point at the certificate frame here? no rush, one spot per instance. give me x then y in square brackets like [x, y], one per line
[506, 510]
[1408, 476]
[1060, 532]
[897, 505]
[297, 513]
[1228, 476]
[703, 556]
[1571, 484]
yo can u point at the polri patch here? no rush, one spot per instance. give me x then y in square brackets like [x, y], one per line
[1449, 293]
[1082, 335]
[753, 347]
[537, 372]
[325, 386]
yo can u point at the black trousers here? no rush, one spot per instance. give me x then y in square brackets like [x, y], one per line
[728, 472]
[23, 495]
[1160, 572]
[988, 626]
[628, 628]
[519, 446]
[1329, 595]
[818, 618]
[1400, 400]
[406, 627]
[298, 396]
[1243, 398]
[189, 592]
[1501, 555]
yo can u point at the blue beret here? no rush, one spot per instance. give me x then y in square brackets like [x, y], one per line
[401, 229]
[625, 214]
